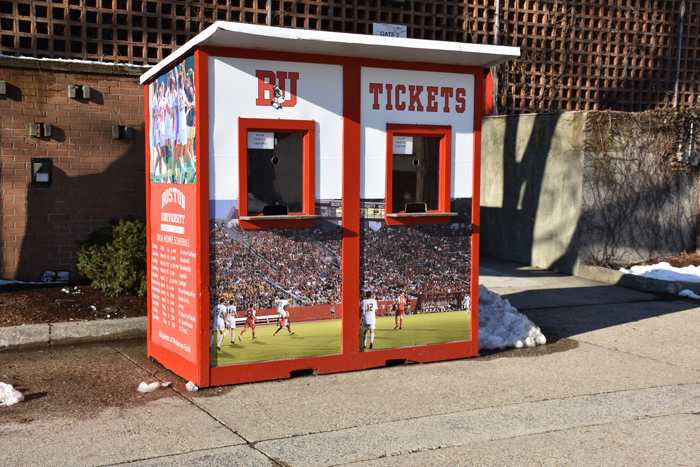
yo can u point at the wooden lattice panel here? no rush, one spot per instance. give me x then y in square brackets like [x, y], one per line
[581, 56]
[576, 55]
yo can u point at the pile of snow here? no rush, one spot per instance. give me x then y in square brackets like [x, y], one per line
[55, 276]
[501, 325]
[9, 395]
[665, 272]
[3, 282]
[145, 387]
[689, 294]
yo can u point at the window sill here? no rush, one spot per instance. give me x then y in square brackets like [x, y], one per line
[419, 218]
[277, 222]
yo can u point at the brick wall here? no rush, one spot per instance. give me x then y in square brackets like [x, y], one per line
[95, 177]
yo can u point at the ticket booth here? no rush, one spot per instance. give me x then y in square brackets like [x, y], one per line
[325, 183]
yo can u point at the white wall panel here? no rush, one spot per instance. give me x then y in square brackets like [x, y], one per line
[233, 91]
[374, 121]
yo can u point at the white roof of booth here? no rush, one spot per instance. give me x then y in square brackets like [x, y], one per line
[256, 37]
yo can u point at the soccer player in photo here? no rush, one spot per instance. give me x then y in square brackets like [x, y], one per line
[368, 308]
[280, 303]
[282, 322]
[400, 311]
[219, 323]
[231, 320]
[250, 319]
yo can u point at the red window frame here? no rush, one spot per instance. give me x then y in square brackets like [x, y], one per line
[305, 218]
[442, 214]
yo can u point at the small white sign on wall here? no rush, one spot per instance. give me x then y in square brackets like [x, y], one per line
[389, 30]
[403, 145]
[261, 140]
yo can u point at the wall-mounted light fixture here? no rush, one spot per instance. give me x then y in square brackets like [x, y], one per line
[122, 132]
[3, 87]
[42, 172]
[78, 92]
[39, 130]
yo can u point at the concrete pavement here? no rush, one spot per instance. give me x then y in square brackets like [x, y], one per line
[617, 384]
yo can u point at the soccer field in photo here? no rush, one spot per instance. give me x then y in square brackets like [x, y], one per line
[310, 339]
[423, 329]
[316, 338]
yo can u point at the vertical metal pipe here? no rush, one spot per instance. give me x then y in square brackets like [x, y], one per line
[498, 20]
[678, 66]
[269, 12]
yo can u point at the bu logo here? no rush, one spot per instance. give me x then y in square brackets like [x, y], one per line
[272, 88]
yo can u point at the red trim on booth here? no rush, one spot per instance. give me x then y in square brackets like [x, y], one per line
[201, 63]
[445, 170]
[177, 364]
[476, 203]
[149, 298]
[488, 92]
[347, 361]
[308, 128]
[350, 243]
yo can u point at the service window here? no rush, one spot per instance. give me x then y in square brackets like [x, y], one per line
[418, 173]
[276, 171]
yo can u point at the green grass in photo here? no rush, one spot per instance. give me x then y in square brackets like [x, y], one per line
[316, 338]
[310, 339]
[166, 177]
[423, 329]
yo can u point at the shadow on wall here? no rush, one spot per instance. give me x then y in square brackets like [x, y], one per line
[531, 186]
[59, 216]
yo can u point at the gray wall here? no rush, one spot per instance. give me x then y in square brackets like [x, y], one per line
[533, 190]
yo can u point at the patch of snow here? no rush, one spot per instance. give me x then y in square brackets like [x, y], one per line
[502, 326]
[665, 272]
[65, 60]
[689, 294]
[49, 276]
[17, 282]
[9, 395]
[145, 387]
[55, 276]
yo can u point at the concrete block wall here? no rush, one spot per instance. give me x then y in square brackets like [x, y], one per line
[95, 177]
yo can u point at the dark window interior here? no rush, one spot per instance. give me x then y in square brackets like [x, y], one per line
[276, 176]
[415, 176]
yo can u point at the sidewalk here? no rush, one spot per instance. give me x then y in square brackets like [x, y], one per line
[617, 384]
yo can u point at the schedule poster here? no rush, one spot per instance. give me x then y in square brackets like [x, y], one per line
[173, 274]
